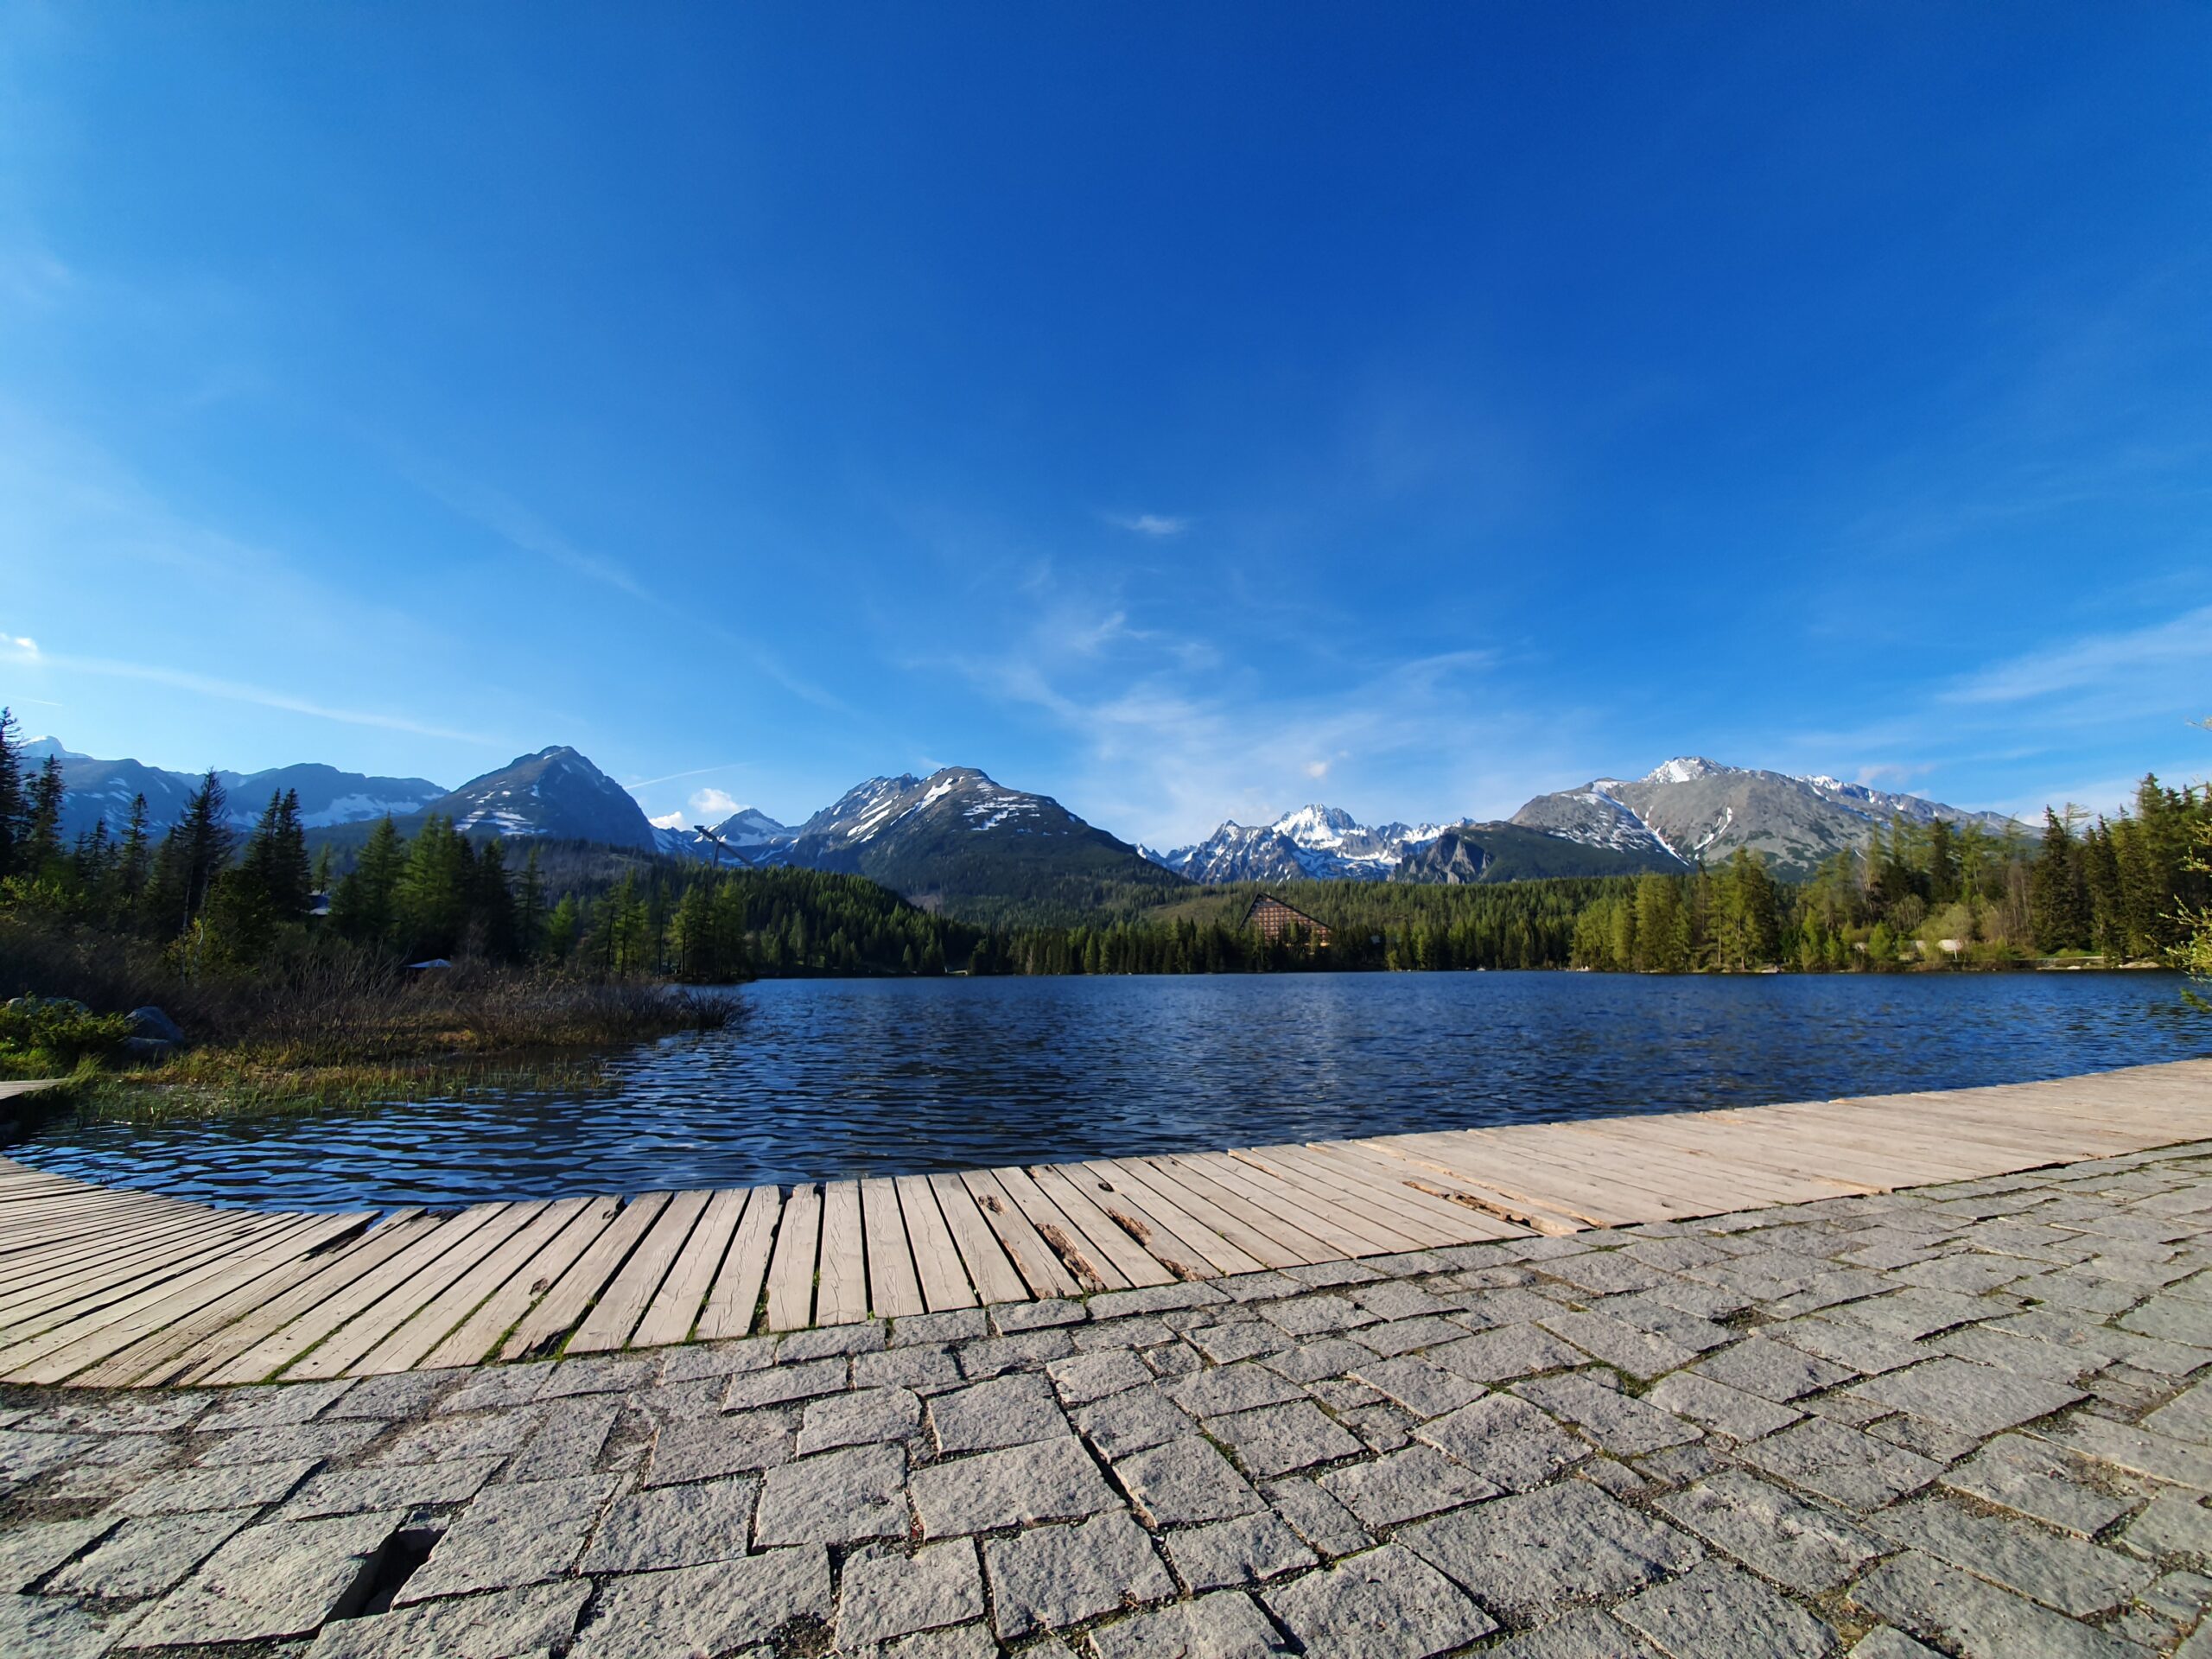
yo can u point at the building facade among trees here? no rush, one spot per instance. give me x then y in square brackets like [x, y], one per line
[1275, 922]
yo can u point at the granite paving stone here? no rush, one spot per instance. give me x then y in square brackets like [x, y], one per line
[2033, 1478]
[31, 1550]
[1406, 1336]
[474, 1434]
[538, 1618]
[1242, 1387]
[1131, 1421]
[243, 1485]
[1621, 1423]
[1587, 1633]
[886, 1593]
[862, 1416]
[1247, 1550]
[1006, 1411]
[1967, 1615]
[1224, 1625]
[1316, 1516]
[1085, 1377]
[56, 1630]
[702, 1448]
[568, 1442]
[271, 1582]
[1505, 1353]
[1384, 1604]
[1051, 1480]
[1802, 1547]
[1978, 1399]
[1840, 1464]
[674, 1526]
[1619, 1343]
[1280, 1440]
[1185, 1481]
[1507, 1442]
[284, 1442]
[715, 1609]
[2172, 1523]
[1734, 1413]
[146, 1556]
[1721, 1612]
[924, 1368]
[2061, 1571]
[1521, 1555]
[269, 1405]
[1047, 1577]
[835, 1497]
[356, 1491]
[1406, 1485]
[1423, 1388]
[1771, 1370]
[512, 1535]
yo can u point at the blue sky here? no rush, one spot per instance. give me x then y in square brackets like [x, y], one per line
[1188, 412]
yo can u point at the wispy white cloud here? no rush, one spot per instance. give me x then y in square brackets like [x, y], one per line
[235, 691]
[22, 643]
[1157, 524]
[2145, 659]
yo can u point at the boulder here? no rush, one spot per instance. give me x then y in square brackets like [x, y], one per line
[150, 1049]
[152, 1022]
[59, 1004]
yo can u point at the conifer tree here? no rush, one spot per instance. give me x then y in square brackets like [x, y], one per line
[12, 804]
[42, 843]
[193, 855]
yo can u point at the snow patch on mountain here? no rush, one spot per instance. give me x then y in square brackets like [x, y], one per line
[1314, 843]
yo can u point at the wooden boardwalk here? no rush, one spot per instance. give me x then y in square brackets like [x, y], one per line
[105, 1287]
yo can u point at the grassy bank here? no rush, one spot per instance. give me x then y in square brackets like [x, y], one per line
[321, 1027]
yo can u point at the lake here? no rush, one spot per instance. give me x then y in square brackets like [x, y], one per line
[825, 1078]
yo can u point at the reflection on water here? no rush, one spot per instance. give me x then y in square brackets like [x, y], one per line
[877, 1076]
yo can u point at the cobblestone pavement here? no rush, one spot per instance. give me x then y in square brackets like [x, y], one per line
[1968, 1419]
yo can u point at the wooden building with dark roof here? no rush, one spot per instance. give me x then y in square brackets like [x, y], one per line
[1273, 920]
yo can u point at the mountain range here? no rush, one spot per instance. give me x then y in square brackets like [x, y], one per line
[959, 839]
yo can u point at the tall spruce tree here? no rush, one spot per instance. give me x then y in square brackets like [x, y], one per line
[12, 804]
[193, 855]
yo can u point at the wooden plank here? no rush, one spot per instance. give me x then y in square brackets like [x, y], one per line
[1093, 1271]
[1268, 1237]
[544, 1326]
[335, 1355]
[943, 1281]
[281, 1347]
[1391, 1235]
[405, 1348]
[894, 1290]
[110, 1334]
[840, 1288]
[734, 1302]
[1390, 1176]
[1348, 1163]
[622, 1304]
[1035, 1259]
[84, 1270]
[1224, 1178]
[217, 1346]
[1137, 1204]
[669, 1317]
[791, 1272]
[993, 1267]
[478, 1337]
[80, 1296]
[1135, 1263]
[1517, 1213]
[144, 1362]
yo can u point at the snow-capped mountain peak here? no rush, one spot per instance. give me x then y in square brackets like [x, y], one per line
[1314, 843]
[1685, 768]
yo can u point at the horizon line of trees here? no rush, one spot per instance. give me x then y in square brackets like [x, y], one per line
[2134, 886]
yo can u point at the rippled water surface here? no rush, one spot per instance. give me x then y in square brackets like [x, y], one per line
[826, 1079]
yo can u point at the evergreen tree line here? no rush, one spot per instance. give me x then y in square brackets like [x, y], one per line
[2125, 889]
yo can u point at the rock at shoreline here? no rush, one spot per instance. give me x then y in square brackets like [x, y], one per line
[150, 1024]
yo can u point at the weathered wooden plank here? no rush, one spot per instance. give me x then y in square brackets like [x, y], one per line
[734, 1302]
[479, 1336]
[544, 1325]
[791, 1271]
[622, 1304]
[1093, 1270]
[1135, 1263]
[1267, 1237]
[1034, 1256]
[841, 1286]
[894, 1290]
[943, 1281]
[993, 1267]
[1145, 1212]
[404, 1349]
[676, 1305]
